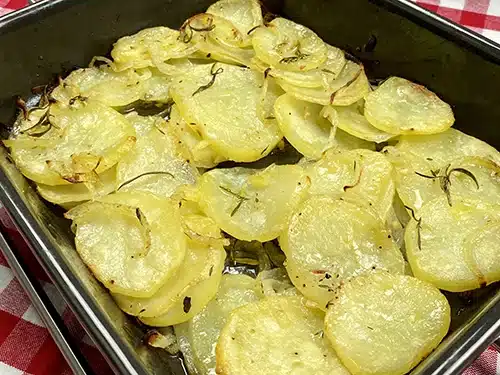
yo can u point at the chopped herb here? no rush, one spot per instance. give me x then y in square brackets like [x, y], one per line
[357, 180]
[186, 304]
[211, 271]
[266, 72]
[143, 175]
[253, 29]
[140, 312]
[212, 80]
[320, 333]
[44, 121]
[419, 226]
[78, 98]
[327, 71]
[240, 198]
[299, 56]
[369, 327]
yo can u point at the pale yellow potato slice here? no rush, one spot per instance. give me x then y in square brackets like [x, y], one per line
[436, 241]
[358, 174]
[354, 91]
[222, 100]
[104, 184]
[143, 48]
[243, 14]
[132, 242]
[301, 124]
[444, 147]
[275, 282]
[278, 334]
[84, 138]
[399, 106]
[482, 253]
[195, 149]
[351, 120]
[198, 336]
[156, 164]
[324, 95]
[420, 180]
[287, 45]
[386, 324]
[181, 293]
[142, 124]
[344, 141]
[252, 204]
[331, 240]
[319, 77]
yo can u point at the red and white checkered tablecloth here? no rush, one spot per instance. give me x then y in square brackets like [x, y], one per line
[26, 347]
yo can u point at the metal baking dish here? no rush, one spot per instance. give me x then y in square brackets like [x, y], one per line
[54, 36]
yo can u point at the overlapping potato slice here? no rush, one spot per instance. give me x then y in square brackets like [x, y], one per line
[347, 88]
[344, 141]
[331, 240]
[419, 180]
[222, 100]
[399, 106]
[156, 164]
[444, 147]
[197, 150]
[358, 174]
[133, 242]
[319, 77]
[287, 45]
[104, 184]
[276, 282]
[351, 120]
[252, 204]
[303, 126]
[186, 293]
[245, 15]
[73, 144]
[142, 124]
[198, 336]
[386, 324]
[278, 334]
[142, 49]
[436, 241]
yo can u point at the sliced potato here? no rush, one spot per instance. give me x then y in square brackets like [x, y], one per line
[142, 49]
[386, 324]
[252, 204]
[331, 240]
[352, 92]
[345, 141]
[399, 106]
[275, 282]
[230, 123]
[142, 124]
[197, 150]
[155, 165]
[356, 174]
[303, 126]
[83, 139]
[132, 242]
[324, 95]
[278, 334]
[80, 192]
[179, 296]
[436, 243]
[444, 147]
[199, 335]
[351, 120]
[243, 14]
[287, 45]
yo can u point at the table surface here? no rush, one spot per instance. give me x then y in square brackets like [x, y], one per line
[26, 347]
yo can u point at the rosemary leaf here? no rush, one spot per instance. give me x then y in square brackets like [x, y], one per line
[212, 80]
[144, 174]
[465, 172]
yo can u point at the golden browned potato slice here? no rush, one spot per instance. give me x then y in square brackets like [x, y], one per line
[351, 120]
[198, 336]
[252, 204]
[399, 106]
[386, 324]
[230, 123]
[143, 49]
[279, 335]
[439, 239]
[358, 174]
[331, 240]
[186, 293]
[302, 125]
[133, 242]
[156, 164]
[74, 143]
[287, 45]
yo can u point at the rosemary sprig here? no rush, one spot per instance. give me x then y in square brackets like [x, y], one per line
[419, 226]
[212, 81]
[187, 36]
[240, 198]
[43, 121]
[298, 56]
[144, 174]
[445, 180]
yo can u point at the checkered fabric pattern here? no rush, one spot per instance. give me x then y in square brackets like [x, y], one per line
[26, 347]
